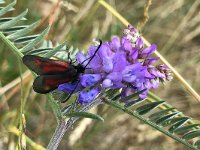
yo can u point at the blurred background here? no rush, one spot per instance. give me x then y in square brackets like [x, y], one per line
[174, 25]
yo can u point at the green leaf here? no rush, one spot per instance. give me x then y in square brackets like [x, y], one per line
[132, 96]
[148, 107]
[14, 21]
[66, 109]
[55, 107]
[116, 97]
[133, 103]
[3, 20]
[55, 50]
[14, 29]
[11, 9]
[30, 45]
[23, 32]
[63, 97]
[112, 93]
[191, 134]
[39, 51]
[173, 120]
[157, 115]
[178, 125]
[186, 128]
[25, 39]
[168, 116]
[7, 8]
[85, 115]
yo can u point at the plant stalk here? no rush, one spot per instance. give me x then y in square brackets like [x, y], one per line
[10, 45]
[64, 125]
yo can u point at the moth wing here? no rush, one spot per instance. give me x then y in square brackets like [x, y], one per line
[46, 83]
[43, 66]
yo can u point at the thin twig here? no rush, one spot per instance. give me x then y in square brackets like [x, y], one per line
[34, 145]
[50, 17]
[142, 23]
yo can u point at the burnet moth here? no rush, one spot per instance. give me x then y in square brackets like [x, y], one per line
[51, 73]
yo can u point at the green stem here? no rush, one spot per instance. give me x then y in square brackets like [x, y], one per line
[10, 45]
[136, 115]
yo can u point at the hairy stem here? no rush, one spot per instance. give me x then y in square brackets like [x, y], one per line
[64, 125]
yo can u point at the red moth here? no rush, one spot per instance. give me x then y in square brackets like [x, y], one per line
[52, 73]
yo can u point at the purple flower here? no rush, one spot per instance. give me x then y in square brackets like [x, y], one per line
[89, 79]
[123, 63]
[69, 87]
[86, 97]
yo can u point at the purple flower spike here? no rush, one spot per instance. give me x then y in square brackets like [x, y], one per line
[122, 63]
[86, 97]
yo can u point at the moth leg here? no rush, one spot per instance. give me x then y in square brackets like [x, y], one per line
[68, 97]
[69, 58]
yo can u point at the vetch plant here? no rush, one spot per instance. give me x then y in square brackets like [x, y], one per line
[120, 73]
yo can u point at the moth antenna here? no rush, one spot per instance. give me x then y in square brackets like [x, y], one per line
[92, 55]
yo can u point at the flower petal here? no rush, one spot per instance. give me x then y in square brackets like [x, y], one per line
[107, 83]
[139, 43]
[89, 79]
[127, 45]
[69, 87]
[115, 76]
[119, 61]
[115, 44]
[80, 57]
[107, 64]
[134, 54]
[148, 51]
[150, 61]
